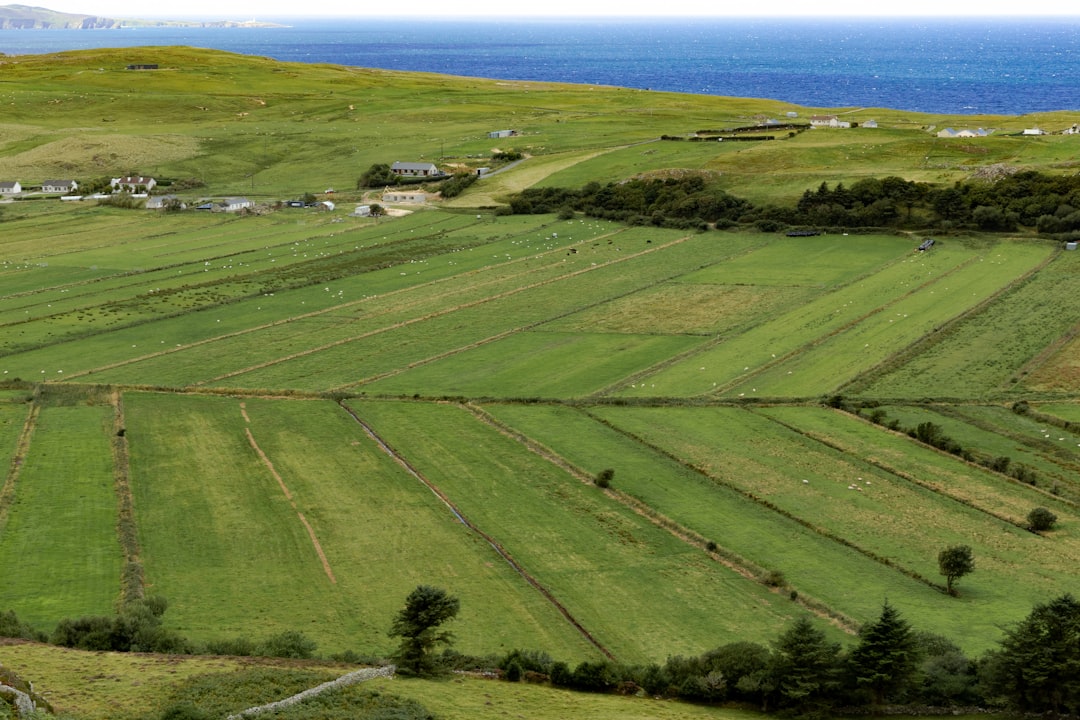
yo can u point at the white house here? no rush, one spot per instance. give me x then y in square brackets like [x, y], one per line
[415, 169]
[1033, 131]
[133, 183]
[10, 188]
[1074, 130]
[159, 202]
[827, 121]
[870, 124]
[235, 204]
[59, 186]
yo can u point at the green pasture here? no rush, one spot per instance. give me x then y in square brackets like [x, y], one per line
[58, 545]
[745, 354]
[539, 364]
[994, 493]
[833, 360]
[641, 592]
[823, 571]
[377, 526]
[995, 349]
[1065, 411]
[886, 515]
[660, 157]
[996, 431]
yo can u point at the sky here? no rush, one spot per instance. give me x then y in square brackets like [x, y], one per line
[273, 9]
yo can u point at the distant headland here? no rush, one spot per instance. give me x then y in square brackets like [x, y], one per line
[25, 17]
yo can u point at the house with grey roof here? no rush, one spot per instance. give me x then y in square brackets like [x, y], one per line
[411, 169]
[10, 188]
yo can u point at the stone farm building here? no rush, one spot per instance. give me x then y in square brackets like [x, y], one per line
[408, 169]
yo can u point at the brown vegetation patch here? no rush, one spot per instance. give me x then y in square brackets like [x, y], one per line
[97, 155]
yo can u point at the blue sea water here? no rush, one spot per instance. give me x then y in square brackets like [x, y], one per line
[965, 66]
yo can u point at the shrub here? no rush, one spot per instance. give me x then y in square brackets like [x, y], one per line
[289, 644]
[1041, 519]
[604, 477]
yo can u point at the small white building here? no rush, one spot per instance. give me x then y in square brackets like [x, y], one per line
[362, 211]
[827, 121]
[1033, 131]
[10, 188]
[404, 196]
[869, 124]
[236, 204]
[160, 202]
[498, 134]
[64, 187]
[964, 133]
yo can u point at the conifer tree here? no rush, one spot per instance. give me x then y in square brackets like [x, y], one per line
[883, 663]
[806, 667]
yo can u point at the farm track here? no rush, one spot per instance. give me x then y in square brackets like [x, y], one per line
[729, 559]
[288, 495]
[773, 507]
[495, 545]
[7, 493]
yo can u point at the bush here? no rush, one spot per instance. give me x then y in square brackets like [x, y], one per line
[1041, 519]
[604, 477]
[12, 627]
[289, 644]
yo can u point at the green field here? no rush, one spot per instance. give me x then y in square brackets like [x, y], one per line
[306, 414]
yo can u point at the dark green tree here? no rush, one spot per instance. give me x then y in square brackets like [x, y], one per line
[418, 626]
[806, 668]
[954, 563]
[1038, 667]
[883, 663]
[1041, 519]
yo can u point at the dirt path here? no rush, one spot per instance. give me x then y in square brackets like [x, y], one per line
[132, 583]
[7, 493]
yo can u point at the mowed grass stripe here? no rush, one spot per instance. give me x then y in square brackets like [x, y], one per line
[889, 518]
[378, 527]
[829, 364]
[747, 353]
[59, 549]
[641, 592]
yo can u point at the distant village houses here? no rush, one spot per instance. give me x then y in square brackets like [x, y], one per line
[412, 169]
[10, 188]
[964, 133]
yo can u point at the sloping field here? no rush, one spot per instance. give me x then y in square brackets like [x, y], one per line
[883, 513]
[58, 543]
[291, 506]
[641, 592]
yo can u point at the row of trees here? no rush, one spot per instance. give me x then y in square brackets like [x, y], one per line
[1048, 204]
[1035, 669]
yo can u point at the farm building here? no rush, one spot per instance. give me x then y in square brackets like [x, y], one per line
[132, 184]
[160, 202]
[59, 186]
[235, 204]
[10, 188]
[497, 134]
[404, 196]
[406, 169]
[1034, 131]
[362, 211]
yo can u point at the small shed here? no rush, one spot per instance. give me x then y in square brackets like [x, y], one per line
[498, 134]
[362, 211]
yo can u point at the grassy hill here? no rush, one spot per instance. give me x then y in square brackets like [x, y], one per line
[287, 420]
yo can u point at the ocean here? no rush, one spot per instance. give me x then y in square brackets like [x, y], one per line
[1005, 66]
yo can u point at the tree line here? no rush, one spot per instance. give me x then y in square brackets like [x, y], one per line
[1046, 204]
[1034, 669]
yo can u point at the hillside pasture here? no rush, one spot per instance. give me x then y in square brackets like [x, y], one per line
[58, 542]
[641, 592]
[882, 513]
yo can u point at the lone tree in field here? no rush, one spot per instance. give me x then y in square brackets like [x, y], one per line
[417, 624]
[1041, 519]
[954, 563]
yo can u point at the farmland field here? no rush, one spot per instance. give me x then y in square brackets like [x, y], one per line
[289, 418]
